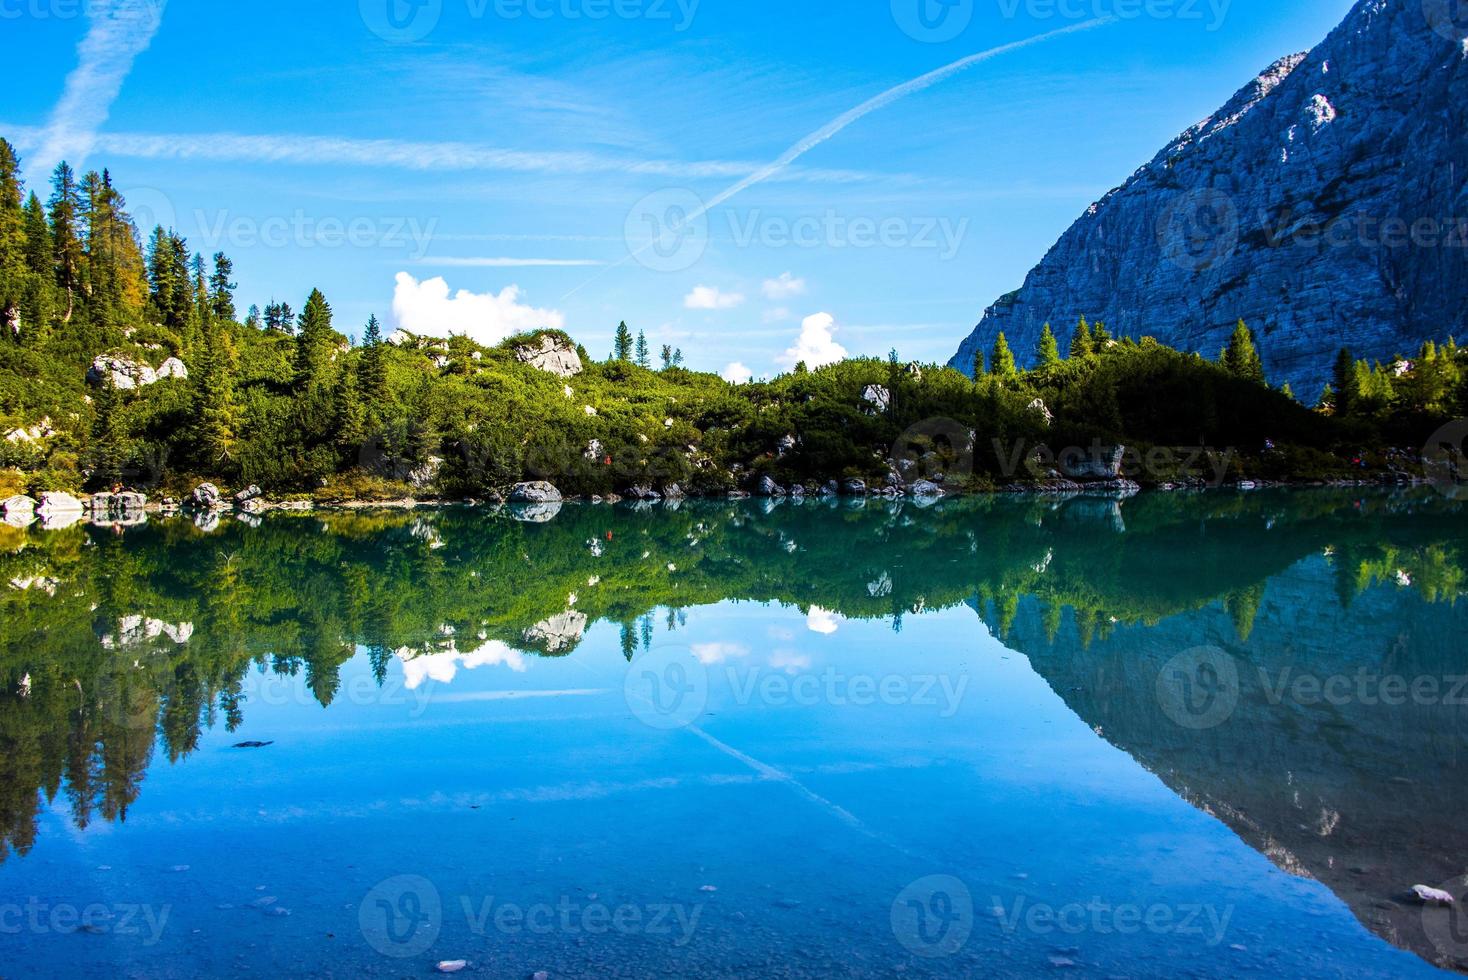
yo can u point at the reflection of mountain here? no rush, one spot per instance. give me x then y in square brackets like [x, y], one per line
[1366, 797]
[135, 641]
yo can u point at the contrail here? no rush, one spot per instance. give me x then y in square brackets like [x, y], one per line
[120, 31]
[841, 122]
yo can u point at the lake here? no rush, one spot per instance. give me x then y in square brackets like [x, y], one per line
[1194, 735]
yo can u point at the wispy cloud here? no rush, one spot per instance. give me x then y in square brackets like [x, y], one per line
[119, 31]
[505, 263]
[409, 155]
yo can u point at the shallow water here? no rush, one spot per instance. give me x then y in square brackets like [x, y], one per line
[1198, 735]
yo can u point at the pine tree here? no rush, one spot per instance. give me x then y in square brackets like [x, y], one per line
[1241, 357]
[221, 290]
[980, 368]
[314, 343]
[678, 357]
[1344, 384]
[13, 270]
[644, 353]
[38, 304]
[1081, 344]
[1049, 349]
[667, 356]
[1001, 362]
[373, 371]
[217, 412]
[68, 257]
[622, 345]
[252, 318]
[350, 416]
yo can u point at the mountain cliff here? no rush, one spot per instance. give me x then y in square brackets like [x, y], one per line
[1324, 205]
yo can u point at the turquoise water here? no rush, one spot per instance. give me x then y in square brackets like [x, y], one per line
[1199, 735]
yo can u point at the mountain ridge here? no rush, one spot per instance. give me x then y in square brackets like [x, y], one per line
[1318, 204]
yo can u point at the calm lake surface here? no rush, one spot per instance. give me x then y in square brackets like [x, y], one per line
[1196, 735]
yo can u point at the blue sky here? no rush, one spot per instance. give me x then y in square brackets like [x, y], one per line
[569, 162]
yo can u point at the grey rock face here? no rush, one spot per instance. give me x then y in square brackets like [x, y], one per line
[206, 497]
[552, 355]
[1323, 205]
[124, 373]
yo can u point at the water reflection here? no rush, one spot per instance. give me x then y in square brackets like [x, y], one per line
[1251, 650]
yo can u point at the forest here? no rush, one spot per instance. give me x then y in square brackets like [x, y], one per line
[127, 361]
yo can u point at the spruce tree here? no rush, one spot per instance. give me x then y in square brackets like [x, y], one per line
[667, 356]
[644, 353]
[221, 290]
[314, 343]
[373, 371]
[1049, 350]
[1001, 362]
[622, 345]
[217, 412]
[1080, 343]
[1343, 383]
[66, 243]
[38, 304]
[1241, 357]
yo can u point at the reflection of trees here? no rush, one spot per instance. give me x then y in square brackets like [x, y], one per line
[299, 595]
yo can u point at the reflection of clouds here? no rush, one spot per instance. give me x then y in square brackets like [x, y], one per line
[443, 667]
[709, 654]
[822, 621]
[789, 661]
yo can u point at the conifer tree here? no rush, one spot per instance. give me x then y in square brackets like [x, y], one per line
[217, 412]
[373, 370]
[1049, 350]
[1344, 384]
[1241, 357]
[644, 354]
[1080, 343]
[66, 242]
[314, 343]
[1001, 362]
[622, 345]
[667, 356]
[221, 289]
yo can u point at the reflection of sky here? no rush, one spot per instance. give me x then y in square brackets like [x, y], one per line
[495, 773]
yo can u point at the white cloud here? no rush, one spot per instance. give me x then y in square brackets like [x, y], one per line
[427, 308]
[784, 287]
[300, 149]
[710, 654]
[444, 667]
[119, 31]
[711, 298]
[816, 345]
[778, 315]
[822, 621]
[738, 374]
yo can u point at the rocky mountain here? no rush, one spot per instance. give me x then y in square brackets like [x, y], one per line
[1325, 205]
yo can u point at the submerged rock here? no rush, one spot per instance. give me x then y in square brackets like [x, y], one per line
[452, 966]
[1433, 896]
